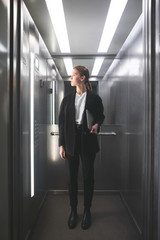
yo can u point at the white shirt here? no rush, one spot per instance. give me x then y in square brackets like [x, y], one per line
[80, 101]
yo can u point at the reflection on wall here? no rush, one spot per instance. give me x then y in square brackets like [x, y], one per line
[38, 80]
[123, 91]
[5, 136]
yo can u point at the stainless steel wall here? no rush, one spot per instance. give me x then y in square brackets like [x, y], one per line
[123, 91]
[5, 229]
[34, 66]
[156, 168]
[55, 172]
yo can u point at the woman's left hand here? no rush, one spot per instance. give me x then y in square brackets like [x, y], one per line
[94, 129]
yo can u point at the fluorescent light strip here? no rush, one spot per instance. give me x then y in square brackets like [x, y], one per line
[97, 65]
[32, 122]
[57, 15]
[69, 65]
[115, 12]
[53, 102]
[56, 12]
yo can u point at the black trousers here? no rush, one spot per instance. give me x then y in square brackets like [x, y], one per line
[87, 160]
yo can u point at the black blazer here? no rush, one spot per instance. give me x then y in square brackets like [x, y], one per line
[67, 123]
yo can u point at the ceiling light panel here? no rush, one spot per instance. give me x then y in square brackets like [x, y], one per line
[97, 65]
[69, 65]
[57, 15]
[115, 12]
[56, 12]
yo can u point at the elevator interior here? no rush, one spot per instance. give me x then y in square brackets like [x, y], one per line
[121, 165]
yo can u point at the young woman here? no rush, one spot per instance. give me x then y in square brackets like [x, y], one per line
[76, 140]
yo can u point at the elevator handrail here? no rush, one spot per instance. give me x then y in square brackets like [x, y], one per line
[107, 134]
[100, 133]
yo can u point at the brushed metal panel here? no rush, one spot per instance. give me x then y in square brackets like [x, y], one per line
[125, 84]
[156, 169]
[107, 163]
[32, 42]
[56, 178]
[27, 220]
[4, 122]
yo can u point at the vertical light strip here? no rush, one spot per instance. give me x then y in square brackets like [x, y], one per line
[115, 12]
[53, 102]
[32, 122]
[57, 15]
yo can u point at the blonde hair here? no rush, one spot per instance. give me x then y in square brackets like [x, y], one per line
[83, 71]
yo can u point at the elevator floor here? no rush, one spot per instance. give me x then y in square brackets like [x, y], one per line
[110, 220]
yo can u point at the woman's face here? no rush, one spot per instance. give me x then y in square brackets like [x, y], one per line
[76, 79]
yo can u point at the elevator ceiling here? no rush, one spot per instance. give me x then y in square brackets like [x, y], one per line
[85, 21]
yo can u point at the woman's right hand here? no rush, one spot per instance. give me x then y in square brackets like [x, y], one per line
[62, 153]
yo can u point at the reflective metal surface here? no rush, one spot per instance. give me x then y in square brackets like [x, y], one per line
[128, 161]
[91, 24]
[123, 92]
[156, 162]
[36, 69]
[5, 230]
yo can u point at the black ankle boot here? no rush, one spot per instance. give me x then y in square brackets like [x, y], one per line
[72, 221]
[86, 221]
